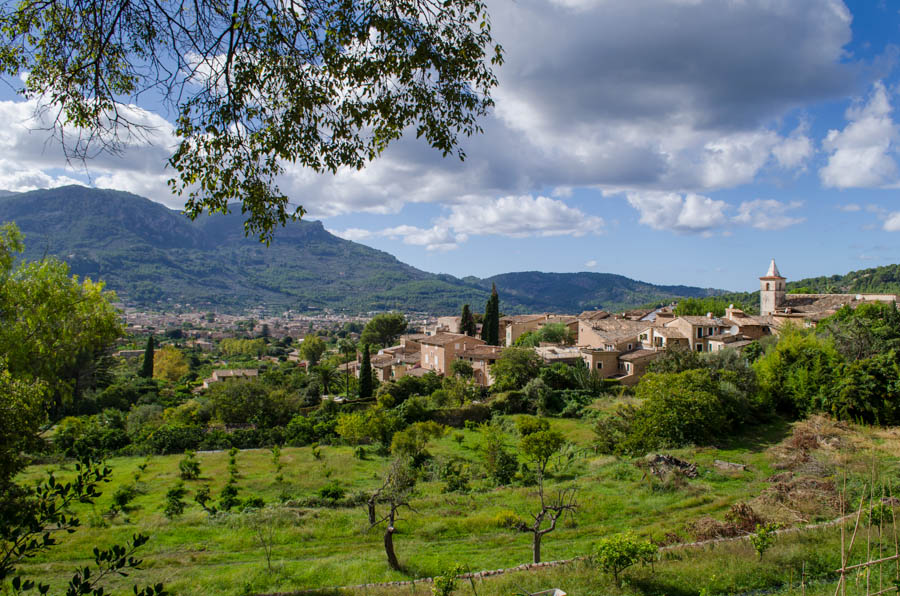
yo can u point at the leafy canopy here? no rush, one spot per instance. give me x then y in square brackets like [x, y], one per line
[254, 85]
[53, 326]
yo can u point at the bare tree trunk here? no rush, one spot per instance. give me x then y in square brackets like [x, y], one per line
[389, 548]
[536, 548]
[371, 509]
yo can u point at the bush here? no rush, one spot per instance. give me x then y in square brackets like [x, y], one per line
[678, 409]
[511, 402]
[619, 552]
[300, 431]
[527, 425]
[170, 438]
[189, 467]
[175, 501]
[331, 491]
[507, 519]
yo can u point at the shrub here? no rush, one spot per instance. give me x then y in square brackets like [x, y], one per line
[122, 497]
[445, 584]
[620, 551]
[764, 538]
[175, 501]
[527, 425]
[189, 467]
[511, 402]
[332, 491]
[507, 519]
[173, 439]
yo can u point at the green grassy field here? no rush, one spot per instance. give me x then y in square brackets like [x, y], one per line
[323, 547]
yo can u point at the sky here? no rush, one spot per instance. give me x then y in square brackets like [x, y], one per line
[671, 141]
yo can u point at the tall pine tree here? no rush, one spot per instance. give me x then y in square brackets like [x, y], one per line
[467, 322]
[365, 374]
[490, 326]
[147, 366]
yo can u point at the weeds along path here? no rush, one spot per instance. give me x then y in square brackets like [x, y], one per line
[530, 566]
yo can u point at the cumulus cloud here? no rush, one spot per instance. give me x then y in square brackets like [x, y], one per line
[690, 213]
[768, 214]
[521, 216]
[850, 207]
[892, 223]
[434, 238]
[863, 153]
[513, 217]
[591, 264]
[354, 234]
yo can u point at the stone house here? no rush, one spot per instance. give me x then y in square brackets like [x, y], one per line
[230, 375]
[481, 357]
[439, 350]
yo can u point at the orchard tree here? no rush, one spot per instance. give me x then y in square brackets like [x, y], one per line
[254, 86]
[384, 329]
[538, 448]
[395, 492]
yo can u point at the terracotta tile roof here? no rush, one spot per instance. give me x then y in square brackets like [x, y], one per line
[701, 320]
[442, 339]
[522, 318]
[668, 332]
[639, 355]
[593, 315]
[483, 352]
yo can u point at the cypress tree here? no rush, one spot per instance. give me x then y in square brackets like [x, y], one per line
[494, 306]
[147, 366]
[486, 322]
[467, 322]
[365, 374]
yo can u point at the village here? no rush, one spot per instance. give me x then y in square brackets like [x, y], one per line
[617, 346]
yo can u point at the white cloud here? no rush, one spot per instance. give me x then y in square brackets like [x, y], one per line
[521, 216]
[862, 155]
[892, 223]
[690, 213]
[850, 207]
[691, 100]
[354, 234]
[768, 214]
[591, 264]
[434, 238]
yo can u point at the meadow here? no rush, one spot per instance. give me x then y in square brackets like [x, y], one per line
[793, 474]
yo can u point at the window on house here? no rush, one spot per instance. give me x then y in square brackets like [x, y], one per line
[599, 365]
[699, 347]
[700, 332]
[630, 346]
[627, 368]
[455, 346]
[767, 286]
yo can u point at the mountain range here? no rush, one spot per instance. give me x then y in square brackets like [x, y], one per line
[154, 257]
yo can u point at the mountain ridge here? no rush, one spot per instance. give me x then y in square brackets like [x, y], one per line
[156, 258]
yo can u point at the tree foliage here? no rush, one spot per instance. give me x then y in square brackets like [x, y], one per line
[384, 329]
[490, 325]
[311, 348]
[365, 374]
[54, 328]
[514, 368]
[147, 364]
[467, 322]
[169, 364]
[254, 86]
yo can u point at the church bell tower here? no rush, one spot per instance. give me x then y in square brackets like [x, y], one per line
[771, 290]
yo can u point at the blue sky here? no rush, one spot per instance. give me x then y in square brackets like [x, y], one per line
[672, 141]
